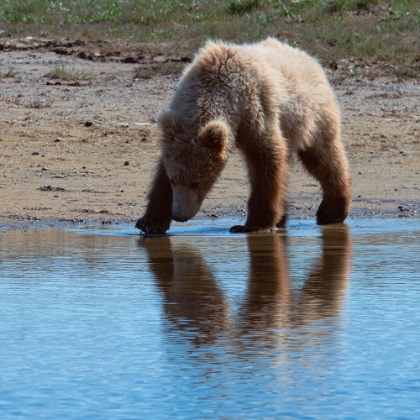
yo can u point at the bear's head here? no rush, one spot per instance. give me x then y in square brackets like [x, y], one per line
[193, 160]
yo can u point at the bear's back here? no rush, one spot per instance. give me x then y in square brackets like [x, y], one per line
[295, 65]
[249, 82]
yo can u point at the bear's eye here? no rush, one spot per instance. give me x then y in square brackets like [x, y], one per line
[194, 185]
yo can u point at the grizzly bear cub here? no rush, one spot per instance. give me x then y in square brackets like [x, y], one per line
[267, 99]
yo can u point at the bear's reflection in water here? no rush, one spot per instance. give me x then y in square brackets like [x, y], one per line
[192, 299]
[272, 305]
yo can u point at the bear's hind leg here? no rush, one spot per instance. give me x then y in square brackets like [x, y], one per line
[328, 164]
[158, 216]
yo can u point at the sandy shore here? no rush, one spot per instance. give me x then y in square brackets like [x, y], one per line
[85, 151]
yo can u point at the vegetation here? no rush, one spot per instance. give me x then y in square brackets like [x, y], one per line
[71, 74]
[9, 73]
[366, 31]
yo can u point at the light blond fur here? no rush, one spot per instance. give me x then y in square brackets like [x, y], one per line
[267, 99]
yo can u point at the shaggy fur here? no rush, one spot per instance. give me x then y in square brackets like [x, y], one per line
[267, 99]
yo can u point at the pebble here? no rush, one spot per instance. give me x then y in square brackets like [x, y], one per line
[126, 163]
[45, 168]
[58, 139]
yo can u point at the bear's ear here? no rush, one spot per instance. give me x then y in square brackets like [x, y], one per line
[169, 125]
[216, 135]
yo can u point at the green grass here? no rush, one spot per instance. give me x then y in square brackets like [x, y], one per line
[239, 7]
[367, 31]
[71, 74]
[11, 73]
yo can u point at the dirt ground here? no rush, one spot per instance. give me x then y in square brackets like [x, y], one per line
[85, 151]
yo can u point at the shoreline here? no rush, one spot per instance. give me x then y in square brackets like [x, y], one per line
[65, 224]
[86, 152]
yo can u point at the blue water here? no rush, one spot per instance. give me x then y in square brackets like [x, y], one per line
[313, 323]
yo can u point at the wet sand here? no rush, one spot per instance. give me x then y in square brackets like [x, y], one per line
[85, 151]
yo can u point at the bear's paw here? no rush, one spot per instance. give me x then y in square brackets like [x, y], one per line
[332, 210]
[148, 227]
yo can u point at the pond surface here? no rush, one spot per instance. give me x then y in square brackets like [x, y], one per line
[310, 323]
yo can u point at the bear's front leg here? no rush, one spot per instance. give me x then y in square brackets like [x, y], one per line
[268, 173]
[263, 216]
[158, 216]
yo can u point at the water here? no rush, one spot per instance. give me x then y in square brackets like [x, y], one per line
[312, 323]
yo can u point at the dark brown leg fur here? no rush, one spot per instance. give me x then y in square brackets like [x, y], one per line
[281, 224]
[268, 172]
[158, 216]
[329, 166]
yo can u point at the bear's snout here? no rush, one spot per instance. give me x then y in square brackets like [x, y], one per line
[185, 204]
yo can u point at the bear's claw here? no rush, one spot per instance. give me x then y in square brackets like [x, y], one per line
[147, 227]
[281, 224]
